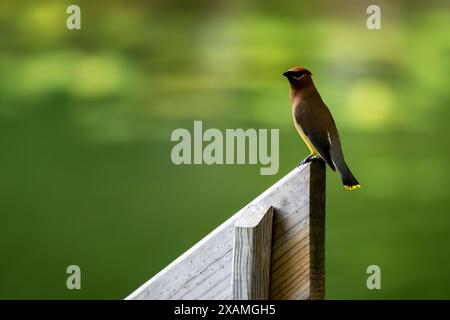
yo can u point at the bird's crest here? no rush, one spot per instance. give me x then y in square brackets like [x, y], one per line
[300, 69]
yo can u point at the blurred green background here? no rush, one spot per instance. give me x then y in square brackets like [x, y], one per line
[86, 118]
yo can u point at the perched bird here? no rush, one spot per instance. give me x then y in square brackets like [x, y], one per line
[316, 126]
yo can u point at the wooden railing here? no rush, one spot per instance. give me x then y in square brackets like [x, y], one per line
[273, 248]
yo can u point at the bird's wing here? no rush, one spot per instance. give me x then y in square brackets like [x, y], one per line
[314, 126]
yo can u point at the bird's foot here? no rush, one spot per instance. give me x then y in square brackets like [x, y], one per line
[309, 158]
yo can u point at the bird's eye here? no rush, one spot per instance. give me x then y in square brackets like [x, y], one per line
[297, 75]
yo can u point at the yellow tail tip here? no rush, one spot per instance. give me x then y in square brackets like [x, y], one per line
[354, 187]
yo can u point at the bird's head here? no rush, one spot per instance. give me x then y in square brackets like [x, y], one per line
[298, 76]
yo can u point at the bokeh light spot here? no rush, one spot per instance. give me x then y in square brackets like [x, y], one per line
[369, 104]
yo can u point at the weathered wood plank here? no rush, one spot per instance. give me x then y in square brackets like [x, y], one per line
[251, 256]
[297, 266]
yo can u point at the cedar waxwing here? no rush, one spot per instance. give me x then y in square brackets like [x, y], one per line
[316, 126]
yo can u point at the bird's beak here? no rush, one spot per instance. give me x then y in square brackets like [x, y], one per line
[286, 74]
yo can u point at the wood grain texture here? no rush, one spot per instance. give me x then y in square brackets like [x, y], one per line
[297, 259]
[251, 256]
[317, 234]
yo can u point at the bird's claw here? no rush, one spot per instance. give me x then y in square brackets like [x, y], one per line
[308, 159]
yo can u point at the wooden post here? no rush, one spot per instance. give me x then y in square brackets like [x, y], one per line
[298, 246]
[297, 269]
[317, 233]
[251, 256]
